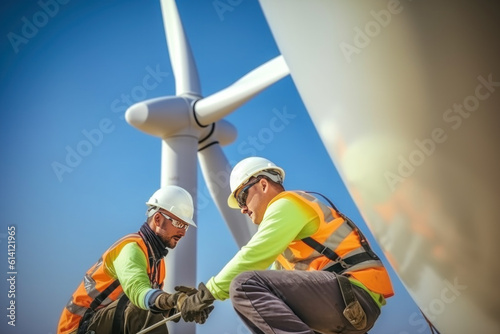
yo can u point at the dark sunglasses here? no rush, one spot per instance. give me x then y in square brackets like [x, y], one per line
[241, 198]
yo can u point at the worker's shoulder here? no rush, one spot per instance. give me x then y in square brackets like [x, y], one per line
[290, 202]
[284, 198]
[127, 244]
[290, 197]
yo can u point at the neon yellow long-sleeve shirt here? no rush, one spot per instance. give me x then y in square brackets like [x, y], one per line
[129, 265]
[284, 221]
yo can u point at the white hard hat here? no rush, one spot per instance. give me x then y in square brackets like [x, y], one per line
[175, 200]
[249, 167]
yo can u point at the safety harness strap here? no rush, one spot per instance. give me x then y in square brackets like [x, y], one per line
[322, 249]
[84, 322]
[341, 265]
[103, 295]
[353, 311]
[118, 319]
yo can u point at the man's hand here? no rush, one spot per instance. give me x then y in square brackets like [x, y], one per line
[169, 303]
[202, 316]
[197, 306]
[188, 290]
[166, 301]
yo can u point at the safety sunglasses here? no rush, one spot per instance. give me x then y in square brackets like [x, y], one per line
[176, 223]
[241, 198]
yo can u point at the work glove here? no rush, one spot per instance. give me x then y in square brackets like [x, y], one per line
[198, 306]
[202, 316]
[166, 301]
[188, 290]
[171, 302]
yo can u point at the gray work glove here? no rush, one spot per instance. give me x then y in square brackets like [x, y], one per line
[198, 306]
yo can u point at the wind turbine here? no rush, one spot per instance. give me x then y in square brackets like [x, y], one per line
[191, 128]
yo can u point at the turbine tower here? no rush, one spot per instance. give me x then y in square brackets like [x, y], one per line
[191, 128]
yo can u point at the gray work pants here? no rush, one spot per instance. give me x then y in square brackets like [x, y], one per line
[134, 320]
[305, 302]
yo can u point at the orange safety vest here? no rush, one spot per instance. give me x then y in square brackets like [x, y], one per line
[97, 281]
[337, 246]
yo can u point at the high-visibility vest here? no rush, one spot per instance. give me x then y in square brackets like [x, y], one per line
[97, 280]
[337, 246]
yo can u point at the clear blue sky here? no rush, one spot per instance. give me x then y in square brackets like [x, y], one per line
[69, 69]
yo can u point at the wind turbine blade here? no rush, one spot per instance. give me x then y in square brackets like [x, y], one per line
[181, 57]
[218, 105]
[216, 170]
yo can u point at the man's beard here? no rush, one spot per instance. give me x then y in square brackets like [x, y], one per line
[170, 243]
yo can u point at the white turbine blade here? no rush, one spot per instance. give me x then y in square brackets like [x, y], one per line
[222, 132]
[218, 105]
[216, 170]
[181, 57]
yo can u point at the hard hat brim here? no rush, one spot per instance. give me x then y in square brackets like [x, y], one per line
[232, 202]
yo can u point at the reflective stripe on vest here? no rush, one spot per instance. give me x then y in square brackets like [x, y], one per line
[92, 292]
[97, 280]
[336, 234]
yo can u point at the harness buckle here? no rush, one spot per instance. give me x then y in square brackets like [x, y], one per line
[342, 263]
[323, 250]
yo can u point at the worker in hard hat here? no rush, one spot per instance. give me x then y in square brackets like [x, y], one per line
[327, 278]
[122, 292]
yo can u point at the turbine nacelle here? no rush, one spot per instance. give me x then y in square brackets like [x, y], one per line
[161, 117]
[168, 116]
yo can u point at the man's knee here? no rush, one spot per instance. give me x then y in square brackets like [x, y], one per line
[236, 287]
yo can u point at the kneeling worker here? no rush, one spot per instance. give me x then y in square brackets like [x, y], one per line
[328, 279]
[122, 292]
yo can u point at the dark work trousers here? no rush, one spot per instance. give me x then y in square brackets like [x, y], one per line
[134, 320]
[292, 301]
